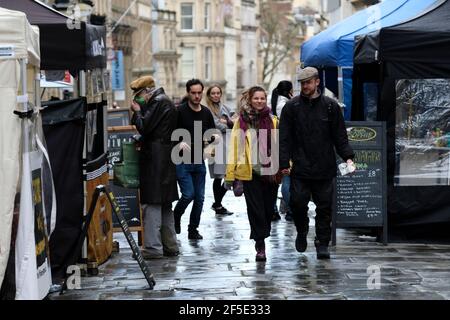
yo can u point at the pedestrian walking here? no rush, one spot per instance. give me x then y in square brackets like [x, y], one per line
[242, 166]
[155, 118]
[217, 164]
[312, 128]
[280, 95]
[191, 173]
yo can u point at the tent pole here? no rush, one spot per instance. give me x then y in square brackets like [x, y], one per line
[82, 83]
[23, 99]
[341, 84]
[23, 79]
[82, 93]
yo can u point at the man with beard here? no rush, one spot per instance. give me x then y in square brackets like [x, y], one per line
[312, 128]
[193, 119]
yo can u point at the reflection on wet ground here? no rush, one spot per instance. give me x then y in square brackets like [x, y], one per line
[222, 266]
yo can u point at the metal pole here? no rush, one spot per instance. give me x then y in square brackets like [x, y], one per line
[82, 83]
[37, 89]
[341, 84]
[82, 93]
[23, 99]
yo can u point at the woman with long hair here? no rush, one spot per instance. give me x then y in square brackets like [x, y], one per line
[222, 119]
[247, 162]
[280, 95]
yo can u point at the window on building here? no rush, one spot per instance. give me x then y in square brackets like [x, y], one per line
[207, 16]
[208, 63]
[172, 40]
[187, 63]
[187, 16]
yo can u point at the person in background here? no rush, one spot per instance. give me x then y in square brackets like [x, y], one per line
[258, 185]
[312, 131]
[223, 121]
[155, 117]
[280, 95]
[191, 174]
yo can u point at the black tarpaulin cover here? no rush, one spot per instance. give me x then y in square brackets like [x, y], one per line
[425, 39]
[366, 48]
[417, 52]
[64, 127]
[413, 68]
[64, 44]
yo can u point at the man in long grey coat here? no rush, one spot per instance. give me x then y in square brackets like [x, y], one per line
[155, 118]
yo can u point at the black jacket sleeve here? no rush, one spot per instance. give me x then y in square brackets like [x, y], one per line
[146, 123]
[286, 134]
[340, 138]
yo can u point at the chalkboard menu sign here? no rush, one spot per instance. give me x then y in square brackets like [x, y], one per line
[361, 196]
[126, 198]
[128, 201]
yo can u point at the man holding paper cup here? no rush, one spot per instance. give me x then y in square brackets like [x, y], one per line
[312, 129]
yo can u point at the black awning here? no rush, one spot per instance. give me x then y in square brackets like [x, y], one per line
[366, 48]
[64, 44]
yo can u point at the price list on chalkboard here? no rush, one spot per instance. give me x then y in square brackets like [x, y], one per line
[361, 196]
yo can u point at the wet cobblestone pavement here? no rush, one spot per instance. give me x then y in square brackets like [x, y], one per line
[222, 266]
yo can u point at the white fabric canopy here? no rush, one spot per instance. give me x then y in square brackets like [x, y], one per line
[18, 40]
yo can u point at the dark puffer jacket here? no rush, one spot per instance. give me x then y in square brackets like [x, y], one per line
[310, 132]
[158, 183]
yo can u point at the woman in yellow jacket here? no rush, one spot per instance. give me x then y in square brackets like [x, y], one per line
[251, 159]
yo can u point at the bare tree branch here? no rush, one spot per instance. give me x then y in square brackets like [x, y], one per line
[278, 37]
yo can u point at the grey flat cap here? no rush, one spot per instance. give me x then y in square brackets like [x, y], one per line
[307, 73]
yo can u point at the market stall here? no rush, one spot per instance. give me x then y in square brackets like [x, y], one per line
[412, 65]
[67, 44]
[26, 190]
[332, 49]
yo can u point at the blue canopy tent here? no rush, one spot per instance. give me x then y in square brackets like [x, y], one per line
[333, 47]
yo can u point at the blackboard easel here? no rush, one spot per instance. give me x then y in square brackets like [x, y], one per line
[130, 205]
[361, 197]
[123, 223]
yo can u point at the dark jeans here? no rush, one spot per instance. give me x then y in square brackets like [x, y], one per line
[191, 179]
[322, 196]
[259, 199]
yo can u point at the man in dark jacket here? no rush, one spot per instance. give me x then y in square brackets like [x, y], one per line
[193, 119]
[155, 117]
[311, 129]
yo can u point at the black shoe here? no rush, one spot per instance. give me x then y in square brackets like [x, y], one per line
[194, 235]
[171, 253]
[322, 250]
[301, 242]
[223, 211]
[276, 216]
[289, 217]
[177, 220]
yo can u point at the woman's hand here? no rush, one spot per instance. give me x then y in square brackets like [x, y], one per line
[228, 185]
